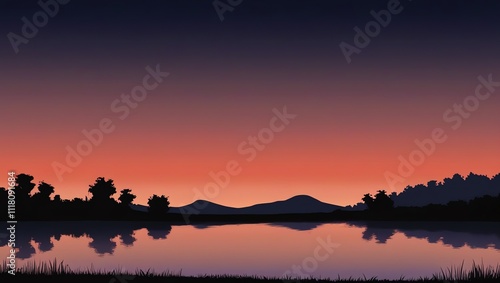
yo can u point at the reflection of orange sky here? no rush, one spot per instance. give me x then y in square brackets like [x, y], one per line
[265, 250]
[337, 148]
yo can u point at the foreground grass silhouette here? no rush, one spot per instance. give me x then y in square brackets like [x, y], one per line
[58, 272]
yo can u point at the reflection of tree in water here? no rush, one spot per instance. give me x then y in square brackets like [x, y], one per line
[44, 242]
[127, 239]
[23, 245]
[158, 230]
[457, 239]
[102, 235]
[102, 238]
[433, 239]
[25, 236]
[3, 239]
[381, 235]
[454, 234]
[102, 243]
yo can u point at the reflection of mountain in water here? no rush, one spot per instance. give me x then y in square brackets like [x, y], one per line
[299, 226]
[102, 234]
[455, 234]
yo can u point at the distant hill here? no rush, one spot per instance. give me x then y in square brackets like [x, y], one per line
[296, 204]
[204, 207]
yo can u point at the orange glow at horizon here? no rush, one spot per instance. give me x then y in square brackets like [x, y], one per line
[336, 149]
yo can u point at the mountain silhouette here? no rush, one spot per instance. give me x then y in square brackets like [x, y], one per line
[296, 204]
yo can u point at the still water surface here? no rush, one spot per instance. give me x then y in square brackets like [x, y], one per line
[383, 249]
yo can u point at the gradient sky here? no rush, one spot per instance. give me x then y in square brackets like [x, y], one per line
[226, 77]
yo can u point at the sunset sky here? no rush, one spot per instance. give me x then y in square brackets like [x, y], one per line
[353, 120]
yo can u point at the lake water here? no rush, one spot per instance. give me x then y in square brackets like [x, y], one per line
[383, 249]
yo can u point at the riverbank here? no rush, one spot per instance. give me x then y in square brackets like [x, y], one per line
[486, 208]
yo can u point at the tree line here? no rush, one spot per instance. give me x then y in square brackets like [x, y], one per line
[456, 188]
[101, 205]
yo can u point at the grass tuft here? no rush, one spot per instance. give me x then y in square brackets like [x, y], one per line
[475, 274]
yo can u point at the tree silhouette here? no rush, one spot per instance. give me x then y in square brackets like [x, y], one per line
[158, 204]
[465, 204]
[4, 195]
[126, 198]
[44, 192]
[383, 201]
[78, 201]
[102, 191]
[450, 189]
[24, 186]
[45, 189]
[368, 200]
[57, 199]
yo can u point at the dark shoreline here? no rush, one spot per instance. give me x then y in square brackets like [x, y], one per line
[486, 208]
[397, 214]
